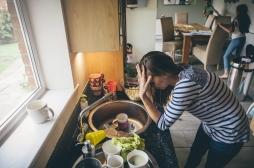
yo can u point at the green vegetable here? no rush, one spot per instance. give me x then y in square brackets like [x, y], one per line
[128, 144]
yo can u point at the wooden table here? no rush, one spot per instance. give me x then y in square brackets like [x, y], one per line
[188, 31]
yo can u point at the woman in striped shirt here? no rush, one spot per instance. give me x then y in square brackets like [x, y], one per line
[224, 127]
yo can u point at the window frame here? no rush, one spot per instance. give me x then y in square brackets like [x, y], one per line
[17, 116]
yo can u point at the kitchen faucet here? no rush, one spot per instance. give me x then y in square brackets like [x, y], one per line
[106, 97]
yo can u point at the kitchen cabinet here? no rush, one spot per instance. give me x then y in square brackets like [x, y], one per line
[92, 25]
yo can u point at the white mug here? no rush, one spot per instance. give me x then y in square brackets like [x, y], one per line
[110, 149]
[114, 161]
[39, 111]
[137, 159]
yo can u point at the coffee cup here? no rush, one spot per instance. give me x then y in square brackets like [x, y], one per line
[110, 149]
[115, 161]
[137, 159]
[39, 112]
[96, 81]
[121, 122]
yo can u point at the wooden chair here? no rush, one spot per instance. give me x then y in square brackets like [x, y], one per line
[221, 19]
[210, 54]
[209, 21]
[170, 44]
[203, 39]
[181, 18]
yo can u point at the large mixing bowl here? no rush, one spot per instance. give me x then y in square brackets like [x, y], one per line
[104, 114]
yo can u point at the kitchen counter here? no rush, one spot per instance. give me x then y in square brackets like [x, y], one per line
[158, 143]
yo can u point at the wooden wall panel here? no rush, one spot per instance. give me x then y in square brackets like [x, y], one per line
[92, 25]
[109, 63]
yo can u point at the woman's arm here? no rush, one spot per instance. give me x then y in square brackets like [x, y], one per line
[184, 93]
[228, 30]
[151, 109]
[145, 95]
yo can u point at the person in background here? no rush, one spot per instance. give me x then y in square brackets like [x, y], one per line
[130, 66]
[131, 59]
[237, 29]
[224, 125]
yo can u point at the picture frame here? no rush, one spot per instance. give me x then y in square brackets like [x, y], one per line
[170, 2]
[178, 2]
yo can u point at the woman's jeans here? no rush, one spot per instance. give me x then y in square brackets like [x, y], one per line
[237, 45]
[219, 154]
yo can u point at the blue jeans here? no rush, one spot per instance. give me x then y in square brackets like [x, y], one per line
[219, 154]
[234, 45]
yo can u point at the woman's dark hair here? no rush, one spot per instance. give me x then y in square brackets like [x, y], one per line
[129, 46]
[243, 18]
[157, 63]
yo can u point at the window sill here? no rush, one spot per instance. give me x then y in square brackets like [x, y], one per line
[23, 146]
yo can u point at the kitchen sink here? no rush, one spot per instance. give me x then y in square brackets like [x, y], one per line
[103, 115]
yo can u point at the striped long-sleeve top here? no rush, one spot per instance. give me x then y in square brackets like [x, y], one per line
[206, 97]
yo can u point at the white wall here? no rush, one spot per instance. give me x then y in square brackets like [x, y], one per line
[195, 11]
[50, 39]
[195, 15]
[220, 6]
[230, 10]
[141, 28]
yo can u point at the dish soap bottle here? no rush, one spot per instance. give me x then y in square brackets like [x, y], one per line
[83, 101]
[88, 149]
[96, 136]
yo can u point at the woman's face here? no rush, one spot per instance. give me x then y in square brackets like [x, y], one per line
[162, 82]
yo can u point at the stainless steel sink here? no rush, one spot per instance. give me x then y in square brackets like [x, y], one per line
[104, 114]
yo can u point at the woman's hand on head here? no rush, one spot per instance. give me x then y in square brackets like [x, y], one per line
[144, 82]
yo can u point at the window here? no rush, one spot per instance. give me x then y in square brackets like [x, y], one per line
[19, 76]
